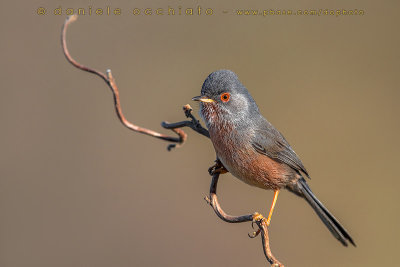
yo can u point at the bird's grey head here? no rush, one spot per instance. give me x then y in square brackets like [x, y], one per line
[225, 99]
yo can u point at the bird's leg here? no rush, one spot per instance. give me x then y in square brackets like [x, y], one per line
[272, 207]
[217, 168]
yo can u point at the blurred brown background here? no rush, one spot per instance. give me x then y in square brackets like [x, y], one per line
[79, 189]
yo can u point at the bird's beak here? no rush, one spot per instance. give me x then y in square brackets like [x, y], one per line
[202, 99]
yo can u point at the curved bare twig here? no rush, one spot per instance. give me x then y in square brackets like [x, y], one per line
[194, 124]
[255, 217]
[109, 80]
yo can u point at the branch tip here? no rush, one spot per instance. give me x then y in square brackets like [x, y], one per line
[71, 18]
[187, 109]
[109, 74]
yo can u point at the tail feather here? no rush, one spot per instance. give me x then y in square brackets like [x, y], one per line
[327, 218]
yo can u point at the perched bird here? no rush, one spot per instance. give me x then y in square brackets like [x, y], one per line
[251, 149]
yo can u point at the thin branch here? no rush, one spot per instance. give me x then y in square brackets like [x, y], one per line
[257, 218]
[110, 81]
[194, 124]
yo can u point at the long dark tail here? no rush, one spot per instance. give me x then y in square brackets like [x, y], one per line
[328, 219]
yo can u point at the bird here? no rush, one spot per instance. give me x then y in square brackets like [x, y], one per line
[252, 149]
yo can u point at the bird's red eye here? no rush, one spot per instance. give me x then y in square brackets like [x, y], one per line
[225, 97]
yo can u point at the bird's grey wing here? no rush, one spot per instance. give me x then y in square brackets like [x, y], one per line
[270, 142]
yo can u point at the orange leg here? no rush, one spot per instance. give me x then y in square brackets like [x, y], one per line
[272, 207]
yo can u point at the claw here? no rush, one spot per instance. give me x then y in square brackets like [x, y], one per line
[256, 218]
[217, 168]
[254, 234]
[211, 170]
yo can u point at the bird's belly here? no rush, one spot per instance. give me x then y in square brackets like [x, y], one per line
[250, 166]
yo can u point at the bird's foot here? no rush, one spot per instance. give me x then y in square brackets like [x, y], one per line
[217, 168]
[257, 217]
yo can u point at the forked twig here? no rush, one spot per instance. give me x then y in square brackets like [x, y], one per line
[194, 124]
